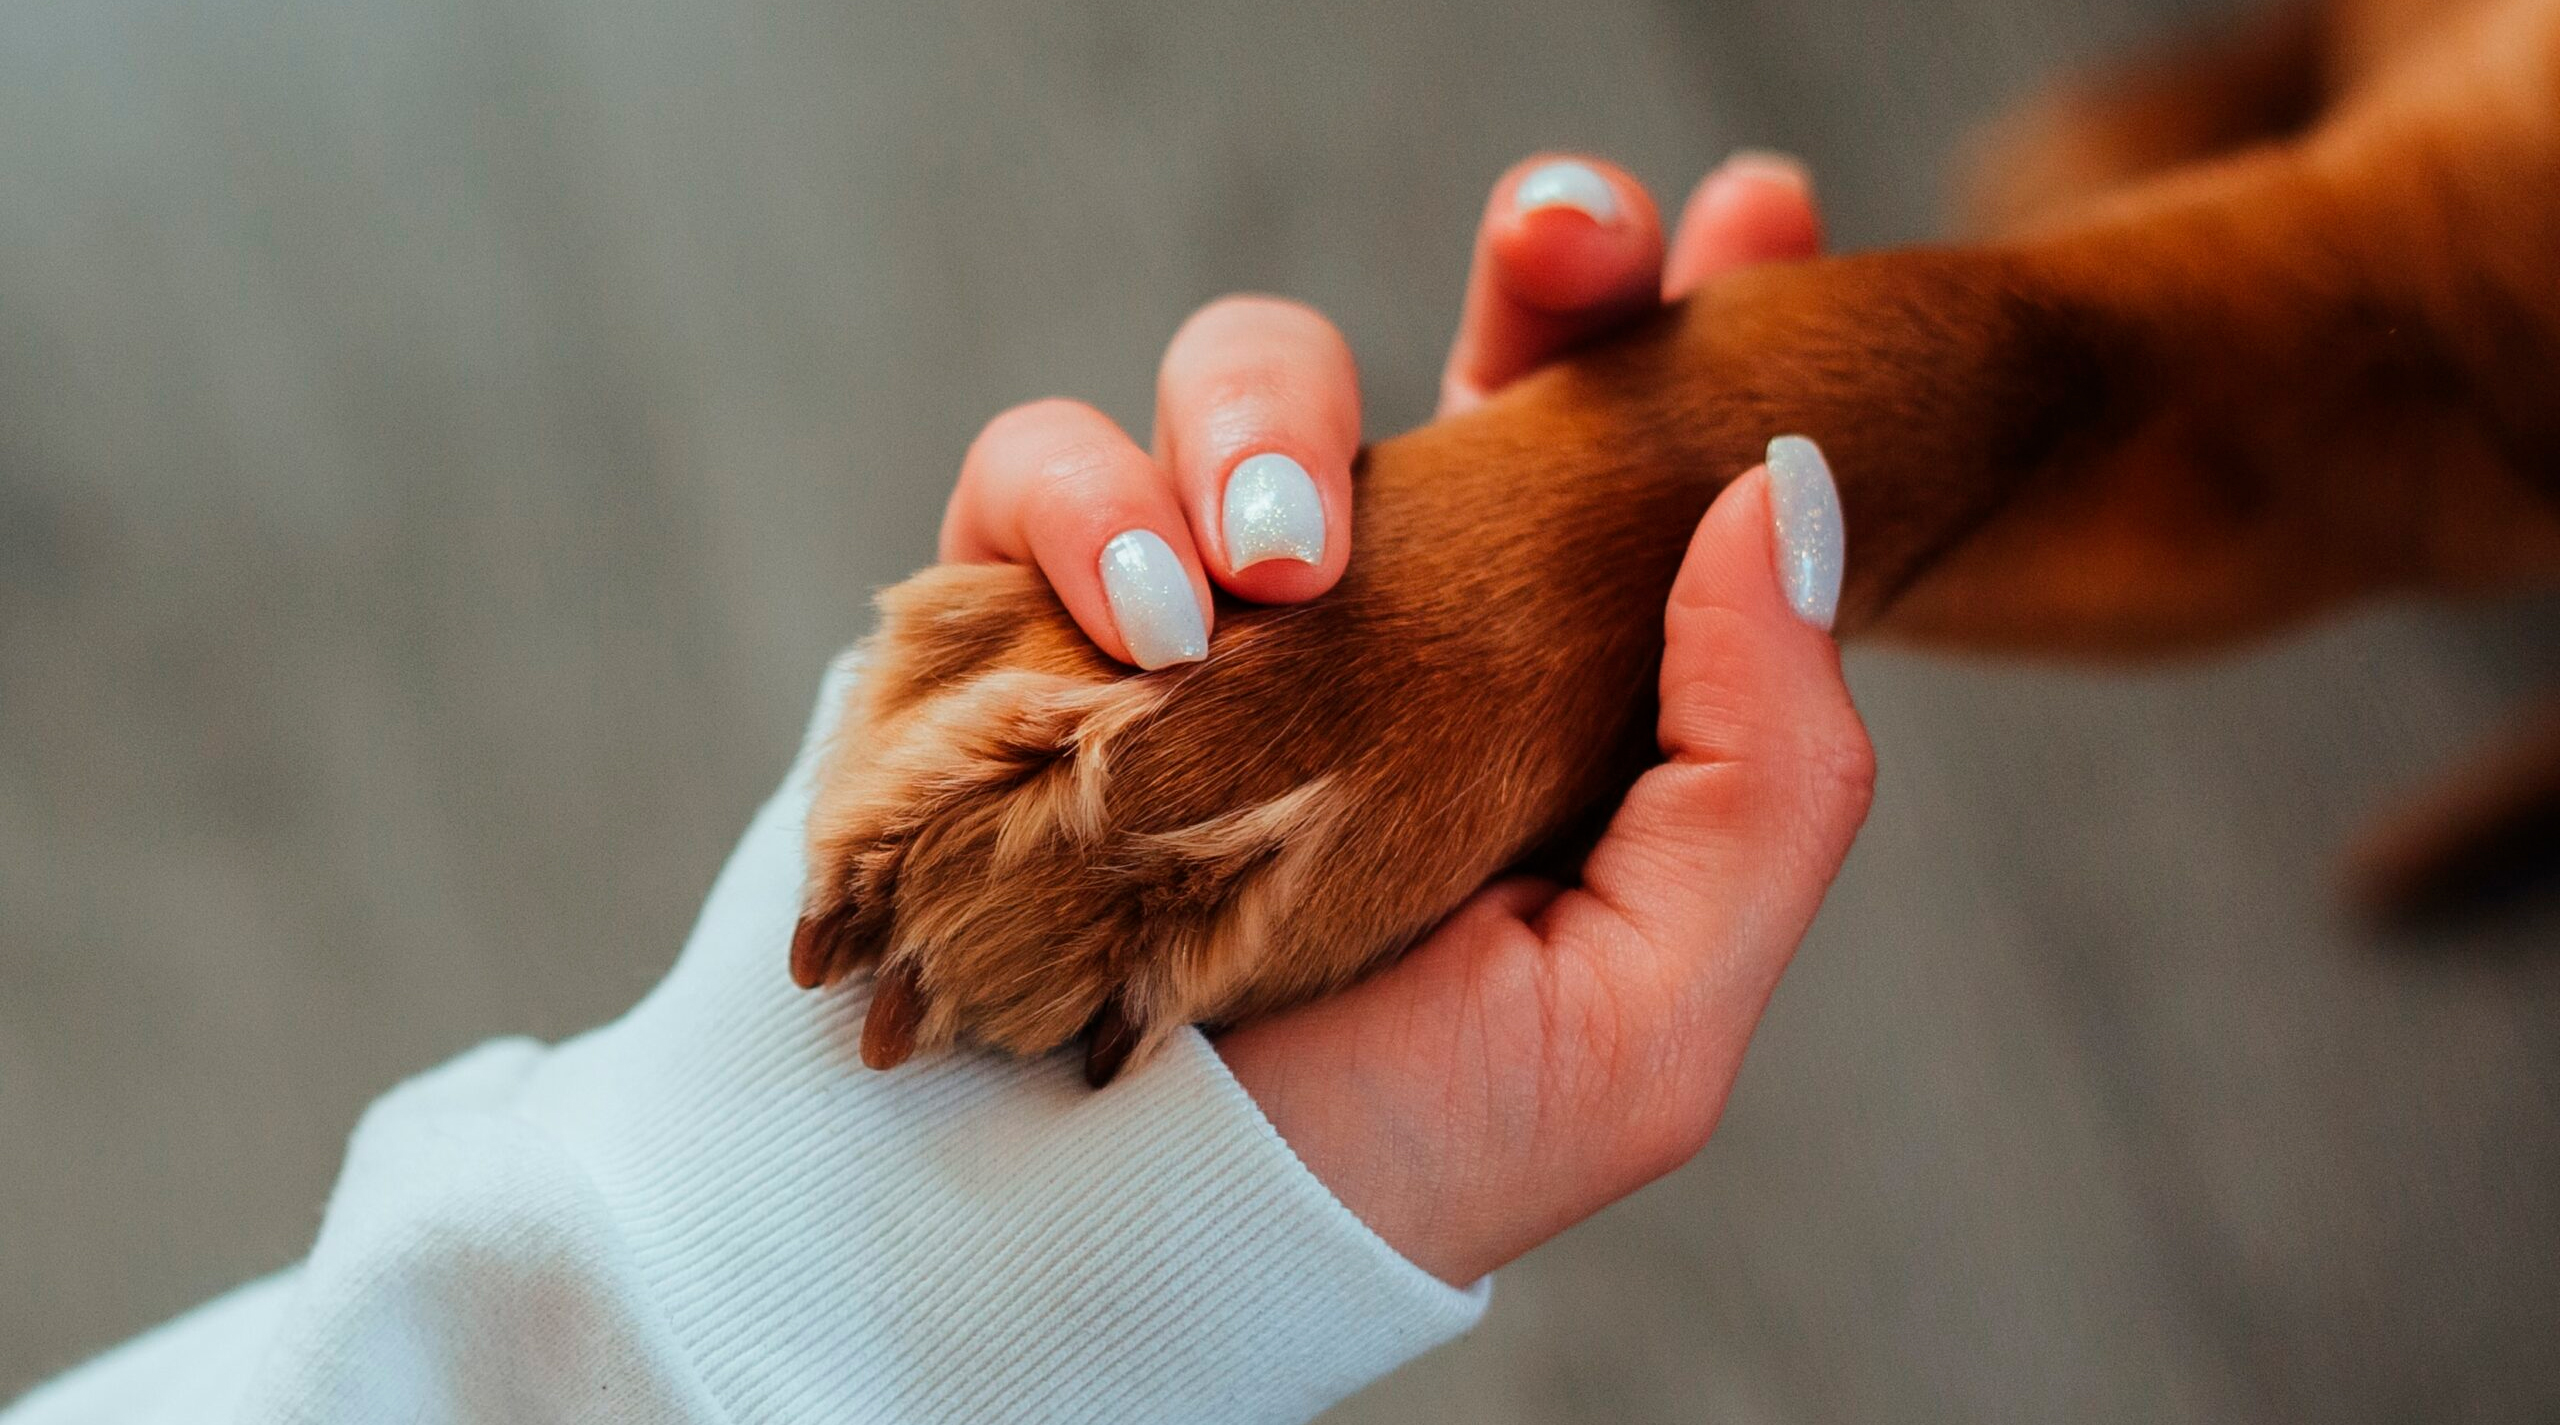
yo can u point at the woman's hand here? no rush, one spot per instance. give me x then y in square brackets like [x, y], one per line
[1546, 1051]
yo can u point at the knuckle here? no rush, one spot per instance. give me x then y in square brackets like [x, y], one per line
[1841, 761]
[1832, 783]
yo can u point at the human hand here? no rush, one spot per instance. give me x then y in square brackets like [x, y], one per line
[1547, 1050]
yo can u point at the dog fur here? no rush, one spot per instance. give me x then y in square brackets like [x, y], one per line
[2248, 332]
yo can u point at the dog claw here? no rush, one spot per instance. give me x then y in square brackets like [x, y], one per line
[817, 946]
[1107, 1053]
[897, 1012]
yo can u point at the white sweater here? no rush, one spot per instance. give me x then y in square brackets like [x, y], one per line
[709, 1211]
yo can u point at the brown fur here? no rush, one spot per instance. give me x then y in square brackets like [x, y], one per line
[2264, 329]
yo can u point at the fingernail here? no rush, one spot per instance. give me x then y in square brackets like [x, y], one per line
[1566, 184]
[1151, 600]
[1272, 511]
[1768, 163]
[1805, 506]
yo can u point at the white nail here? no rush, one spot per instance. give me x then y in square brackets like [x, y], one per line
[1804, 504]
[1151, 600]
[1566, 184]
[1272, 511]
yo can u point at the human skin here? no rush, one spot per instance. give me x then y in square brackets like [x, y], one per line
[1547, 1050]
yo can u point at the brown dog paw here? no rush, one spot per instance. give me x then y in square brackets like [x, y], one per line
[1029, 841]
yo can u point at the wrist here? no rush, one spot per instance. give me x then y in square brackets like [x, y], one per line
[1385, 1166]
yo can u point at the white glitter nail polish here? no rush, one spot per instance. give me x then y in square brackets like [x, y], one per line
[1566, 184]
[1272, 511]
[1151, 600]
[1804, 503]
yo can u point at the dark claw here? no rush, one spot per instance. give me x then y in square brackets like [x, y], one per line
[1114, 1039]
[897, 1011]
[817, 946]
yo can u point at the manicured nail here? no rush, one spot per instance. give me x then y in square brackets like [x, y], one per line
[1151, 600]
[1566, 184]
[1770, 164]
[1805, 506]
[1272, 512]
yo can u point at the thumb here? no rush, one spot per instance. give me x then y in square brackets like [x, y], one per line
[1495, 1086]
[1718, 858]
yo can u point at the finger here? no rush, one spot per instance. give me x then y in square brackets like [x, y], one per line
[1755, 207]
[1056, 484]
[1568, 248]
[1711, 870]
[1257, 420]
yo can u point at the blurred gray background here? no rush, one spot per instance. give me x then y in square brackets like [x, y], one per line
[440, 441]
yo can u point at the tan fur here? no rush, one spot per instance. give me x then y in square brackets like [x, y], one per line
[2274, 327]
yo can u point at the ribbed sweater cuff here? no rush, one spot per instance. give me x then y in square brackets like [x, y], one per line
[967, 1239]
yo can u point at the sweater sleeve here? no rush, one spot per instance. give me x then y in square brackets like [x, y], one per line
[709, 1211]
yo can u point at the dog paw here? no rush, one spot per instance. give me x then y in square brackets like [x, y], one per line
[1028, 841]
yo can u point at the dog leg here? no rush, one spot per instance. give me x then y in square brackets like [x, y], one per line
[1028, 841]
[2230, 400]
